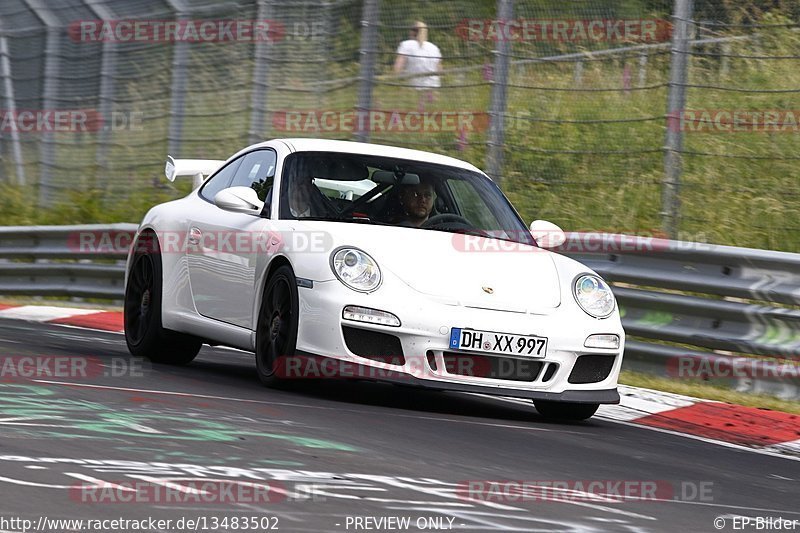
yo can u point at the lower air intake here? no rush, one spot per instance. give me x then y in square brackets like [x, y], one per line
[374, 345]
[591, 368]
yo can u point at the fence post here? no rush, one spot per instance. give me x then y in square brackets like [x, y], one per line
[676, 101]
[261, 83]
[366, 77]
[11, 107]
[642, 68]
[180, 63]
[724, 65]
[577, 77]
[497, 105]
[108, 69]
[50, 91]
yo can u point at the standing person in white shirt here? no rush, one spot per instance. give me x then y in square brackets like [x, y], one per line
[417, 55]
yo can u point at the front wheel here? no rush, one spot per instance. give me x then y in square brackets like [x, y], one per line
[144, 334]
[566, 411]
[276, 331]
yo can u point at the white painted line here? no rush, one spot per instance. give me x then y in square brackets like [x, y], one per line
[98, 483]
[44, 313]
[33, 484]
[168, 484]
[87, 328]
[792, 447]
[761, 451]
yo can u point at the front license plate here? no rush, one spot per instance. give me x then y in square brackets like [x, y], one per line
[499, 343]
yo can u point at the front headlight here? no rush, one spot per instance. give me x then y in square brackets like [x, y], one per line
[356, 269]
[594, 296]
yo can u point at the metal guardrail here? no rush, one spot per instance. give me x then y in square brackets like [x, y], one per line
[695, 308]
[55, 261]
[682, 303]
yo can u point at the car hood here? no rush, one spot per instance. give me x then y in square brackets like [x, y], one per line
[502, 276]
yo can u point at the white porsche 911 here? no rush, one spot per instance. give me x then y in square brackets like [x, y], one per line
[339, 259]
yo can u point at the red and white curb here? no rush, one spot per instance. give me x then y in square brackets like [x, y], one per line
[751, 427]
[760, 429]
[69, 316]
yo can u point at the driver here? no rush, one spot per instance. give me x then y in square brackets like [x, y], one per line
[416, 201]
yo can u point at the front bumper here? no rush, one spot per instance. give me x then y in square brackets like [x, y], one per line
[425, 332]
[605, 396]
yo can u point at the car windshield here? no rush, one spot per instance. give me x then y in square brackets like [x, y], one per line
[366, 189]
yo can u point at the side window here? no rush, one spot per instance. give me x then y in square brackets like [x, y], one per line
[257, 172]
[219, 181]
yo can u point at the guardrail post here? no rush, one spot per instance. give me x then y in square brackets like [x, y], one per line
[676, 101]
[497, 105]
[368, 53]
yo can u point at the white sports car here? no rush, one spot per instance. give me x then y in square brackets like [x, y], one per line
[339, 259]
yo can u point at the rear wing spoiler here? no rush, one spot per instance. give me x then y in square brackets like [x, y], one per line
[198, 169]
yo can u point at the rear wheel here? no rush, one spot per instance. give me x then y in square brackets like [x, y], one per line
[566, 411]
[276, 331]
[142, 312]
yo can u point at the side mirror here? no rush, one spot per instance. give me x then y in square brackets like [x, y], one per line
[239, 200]
[546, 234]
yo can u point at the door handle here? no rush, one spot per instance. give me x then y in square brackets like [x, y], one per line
[194, 236]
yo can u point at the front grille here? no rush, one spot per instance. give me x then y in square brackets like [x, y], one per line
[492, 367]
[374, 345]
[591, 368]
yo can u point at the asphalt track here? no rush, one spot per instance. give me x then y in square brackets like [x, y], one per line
[336, 453]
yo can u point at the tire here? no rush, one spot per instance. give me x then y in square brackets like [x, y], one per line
[566, 411]
[276, 329]
[144, 333]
